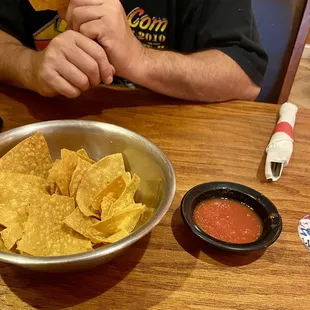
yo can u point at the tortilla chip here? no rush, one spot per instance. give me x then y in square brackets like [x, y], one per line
[117, 236]
[11, 235]
[80, 170]
[83, 155]
[131, 222]
[53, 172]
[2, 246]
[57, 191]
[113, 189]
[127, 197]
[14, 214]
[4, 249]
[106, 204]
[62, 171]
[83, 225]
[10, 213]
[14, 185]
[45, 233]
[108, 200]
[145, 216]
[43, 5]
[116, 222]
[31, 156]
[82, 152]
[96, 178]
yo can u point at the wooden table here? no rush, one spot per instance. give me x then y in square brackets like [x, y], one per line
[170, 268]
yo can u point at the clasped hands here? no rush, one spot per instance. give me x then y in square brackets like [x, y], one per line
[98, 44]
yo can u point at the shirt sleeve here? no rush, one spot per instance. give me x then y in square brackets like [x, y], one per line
[229, 26]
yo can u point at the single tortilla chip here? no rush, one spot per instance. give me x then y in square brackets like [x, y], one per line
[2, 246]
[13, 211]
[96, 178]
[84, 226]
[43, 5]
[11, 235]
[117, 236]
[84, 155]
[130, 222]
[113, 189]
[57, 191]
[127, 197]
[18, 185]
[30, 156]
[45, 233]
[66, 168]
[82, 152]
[54, 171]
[17, 193]
[14, 215]
[80, 170]
[106, 204]
[145, 216]
[115, 223]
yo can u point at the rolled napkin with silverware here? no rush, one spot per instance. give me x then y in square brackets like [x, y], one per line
[280, 147]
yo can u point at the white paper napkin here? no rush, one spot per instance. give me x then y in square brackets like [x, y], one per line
[280, 147]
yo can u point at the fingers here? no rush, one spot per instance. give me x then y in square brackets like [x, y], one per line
[95, 51]
[84, 14]
[73, 75]
[91, 29]
[63, 87]
[71, 64]
[87, 65]
[78, 3]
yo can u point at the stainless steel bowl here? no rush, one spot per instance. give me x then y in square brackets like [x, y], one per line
[141, 156]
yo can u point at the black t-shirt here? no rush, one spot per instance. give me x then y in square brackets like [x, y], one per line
[184, 26]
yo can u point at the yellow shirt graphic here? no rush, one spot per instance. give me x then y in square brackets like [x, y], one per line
[149, 30]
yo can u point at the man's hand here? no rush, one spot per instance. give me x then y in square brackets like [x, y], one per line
[106, 22]
[71, 64]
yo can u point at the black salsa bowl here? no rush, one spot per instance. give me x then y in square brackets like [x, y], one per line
[263, 207]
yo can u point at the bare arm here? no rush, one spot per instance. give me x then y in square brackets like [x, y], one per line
[208, 76]
[16, 62]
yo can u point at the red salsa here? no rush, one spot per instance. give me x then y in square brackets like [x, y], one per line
[228, 220]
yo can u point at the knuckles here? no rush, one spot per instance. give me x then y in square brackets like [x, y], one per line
[93, 68]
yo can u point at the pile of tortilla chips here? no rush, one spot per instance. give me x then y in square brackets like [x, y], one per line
[65, 207]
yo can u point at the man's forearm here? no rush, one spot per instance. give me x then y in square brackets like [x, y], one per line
[209, 76]
[16, 66]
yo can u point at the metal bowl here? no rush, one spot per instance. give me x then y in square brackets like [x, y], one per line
[141, 156]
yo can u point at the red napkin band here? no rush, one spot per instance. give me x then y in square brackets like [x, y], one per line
[284, 127]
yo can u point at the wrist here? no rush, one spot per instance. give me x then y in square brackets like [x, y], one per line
[139, 68]
[26, 68]
[31, 78]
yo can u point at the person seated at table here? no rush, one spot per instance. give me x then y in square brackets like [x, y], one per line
[202, 50]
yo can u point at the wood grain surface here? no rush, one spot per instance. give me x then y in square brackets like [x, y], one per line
[170, 268]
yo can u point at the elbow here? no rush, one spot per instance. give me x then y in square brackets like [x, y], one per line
[246, 93]
[251, 92]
